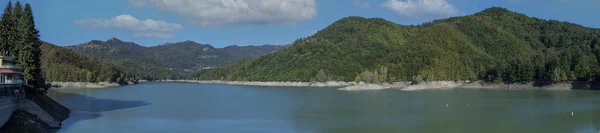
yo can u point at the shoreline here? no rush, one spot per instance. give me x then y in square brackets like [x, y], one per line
[270, 83]
[409, 86]
[352, 86]
[90, 85]
[66, 85]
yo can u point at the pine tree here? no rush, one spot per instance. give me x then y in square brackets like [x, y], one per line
[30, 50]
[20, 25]
[7, 30]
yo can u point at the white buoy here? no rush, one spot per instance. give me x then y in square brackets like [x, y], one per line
[572, 113]
[468, 105]
[446, 105]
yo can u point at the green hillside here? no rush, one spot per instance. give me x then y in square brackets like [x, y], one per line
[62, 64]
[495, 44]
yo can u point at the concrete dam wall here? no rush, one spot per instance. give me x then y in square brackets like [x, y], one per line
[10, 104]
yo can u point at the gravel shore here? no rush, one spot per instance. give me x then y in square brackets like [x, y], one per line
[253, 83]
[407, 85]
[59, 85]
[351, 86]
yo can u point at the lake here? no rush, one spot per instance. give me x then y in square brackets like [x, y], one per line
[171, 107]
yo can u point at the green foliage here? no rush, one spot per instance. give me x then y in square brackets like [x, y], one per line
[382, 75]
[61, 64]
[357, 79]
[494, 45]
[90, 77]
[8, 31]
[29, 52]
[20, 21]
[368, 76]
[417, 79]
[321, 76]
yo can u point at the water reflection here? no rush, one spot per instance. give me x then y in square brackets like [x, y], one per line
[85, 108]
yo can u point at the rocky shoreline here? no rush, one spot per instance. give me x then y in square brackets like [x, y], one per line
[255, 83]
[410, 86]
[352, 86]
[61, 85]
[56, 85]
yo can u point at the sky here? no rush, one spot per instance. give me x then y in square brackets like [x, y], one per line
[258, 22]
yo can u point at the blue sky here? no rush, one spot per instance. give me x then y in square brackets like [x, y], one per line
[257, 22]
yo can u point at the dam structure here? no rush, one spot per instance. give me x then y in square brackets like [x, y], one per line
[13, 96]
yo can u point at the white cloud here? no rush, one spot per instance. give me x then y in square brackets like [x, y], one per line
[421, 9]
[361, 4]
[138, 28]
[235, 12]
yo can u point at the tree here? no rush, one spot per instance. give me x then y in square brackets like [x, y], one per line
[417, 79]
[321, 76]
[357, 78]
[563, 77]
[556, 75]
[90, 77]
[21, 25]
[382, 74]
[596, 46]
[30, 52]
[368, 76]
[7, 30]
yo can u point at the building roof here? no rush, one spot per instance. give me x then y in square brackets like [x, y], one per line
[10, 70]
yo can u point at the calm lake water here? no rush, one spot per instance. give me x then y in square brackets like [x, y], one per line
[175, 108]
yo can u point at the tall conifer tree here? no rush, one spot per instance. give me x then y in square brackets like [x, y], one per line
[30, 50]
[7, 30]
[19, 27]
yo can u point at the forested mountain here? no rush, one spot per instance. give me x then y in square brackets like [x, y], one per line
[241, 52]
[495, 44]
[62, 64]
[171, 60]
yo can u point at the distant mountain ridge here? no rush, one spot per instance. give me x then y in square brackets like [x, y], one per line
[171, 59]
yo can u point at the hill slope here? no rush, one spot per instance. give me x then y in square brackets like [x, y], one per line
[495, 44]
[169, 60]
[62, 64]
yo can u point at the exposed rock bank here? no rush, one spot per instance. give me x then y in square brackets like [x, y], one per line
[252, 83]
[83, 85]
[410, 86]
[434, 85]
[364, 86]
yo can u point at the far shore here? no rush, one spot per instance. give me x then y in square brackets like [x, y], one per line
[352, 86]
[409, 86]
[64, 85]
[273, 83]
